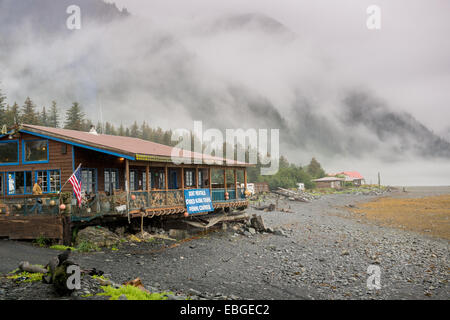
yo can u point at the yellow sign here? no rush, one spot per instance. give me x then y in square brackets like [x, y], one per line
[144, 157]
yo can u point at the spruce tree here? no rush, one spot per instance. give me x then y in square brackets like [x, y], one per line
[121, 130]
[53, 120]
[99, 128]
[12, 114]
[134, 130]
[145, 134]
[86, 125]
[2, 108]
[29, 114]
[109, 129]
[74, 118]
[44, 119]
[314, 169]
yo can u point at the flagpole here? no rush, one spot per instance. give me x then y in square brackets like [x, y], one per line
[70, 177]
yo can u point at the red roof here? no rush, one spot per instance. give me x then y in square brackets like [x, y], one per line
[120, 144]
[351, 174]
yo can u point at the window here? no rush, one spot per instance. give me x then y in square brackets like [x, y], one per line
[1, 183]
[89, 180]
[111, 179]
[144, 180]
[189, 178]
[35, 151]
[200, 178]
[157, 180]
[54, 181]
[19, 182]
[9, 152]
[132, 180]
[44, 180]
[137, 180]
[50, 180]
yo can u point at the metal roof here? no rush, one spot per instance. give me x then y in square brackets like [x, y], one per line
[328, 179]
[128, 147]
[351, 175]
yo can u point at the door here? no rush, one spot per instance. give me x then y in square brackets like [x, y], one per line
[173, 184]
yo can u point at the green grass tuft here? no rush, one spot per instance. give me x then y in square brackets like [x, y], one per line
[132, 293]
[86, 246]
[42, 241]
[26, 277]
[61, 247]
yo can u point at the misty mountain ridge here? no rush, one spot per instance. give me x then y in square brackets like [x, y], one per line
[256, 21]
[48, 17]
[158, 73]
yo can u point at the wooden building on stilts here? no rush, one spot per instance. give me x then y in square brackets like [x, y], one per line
[121, 177]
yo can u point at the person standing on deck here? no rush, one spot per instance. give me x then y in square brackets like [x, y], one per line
[37, 190]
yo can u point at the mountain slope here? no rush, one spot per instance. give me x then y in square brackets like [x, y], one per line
[244, 72]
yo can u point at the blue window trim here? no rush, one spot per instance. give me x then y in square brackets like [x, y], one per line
[31, 162]
[79, 145]
[3, 184]
[117, 177]
[11, 163]
[73, 158]
[48, 179]
[15, 184]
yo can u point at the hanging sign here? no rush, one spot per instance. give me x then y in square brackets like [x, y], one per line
[198, 200]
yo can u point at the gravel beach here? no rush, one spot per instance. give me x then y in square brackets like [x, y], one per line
[320, 252]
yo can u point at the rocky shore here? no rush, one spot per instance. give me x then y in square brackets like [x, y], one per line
[314, 250]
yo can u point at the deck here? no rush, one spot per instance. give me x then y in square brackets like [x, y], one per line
[20, 218]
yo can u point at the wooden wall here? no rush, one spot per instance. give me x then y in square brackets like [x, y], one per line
[57, 160]
[100, 161]
[33, 227]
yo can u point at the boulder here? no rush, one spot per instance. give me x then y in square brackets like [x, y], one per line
[99, 236]
[257, 223]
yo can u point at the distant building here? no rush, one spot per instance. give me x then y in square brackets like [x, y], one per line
[351, 176]
[329, 182]
[261, 187]
[301, 186]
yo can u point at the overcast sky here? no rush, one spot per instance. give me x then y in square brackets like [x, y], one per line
[176, 61]
[408, 60]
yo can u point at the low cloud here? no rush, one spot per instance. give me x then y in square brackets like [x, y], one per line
[234, 70]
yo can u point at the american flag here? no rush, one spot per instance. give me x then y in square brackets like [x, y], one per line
[75, 180]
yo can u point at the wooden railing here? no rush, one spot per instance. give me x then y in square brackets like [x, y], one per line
[218, 194]
[101, 204]
[28, 205]
[156, 199]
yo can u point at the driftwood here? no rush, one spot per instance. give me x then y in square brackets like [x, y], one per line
[209, 222]
[26, 266]
[292, 195]
[269, 207]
